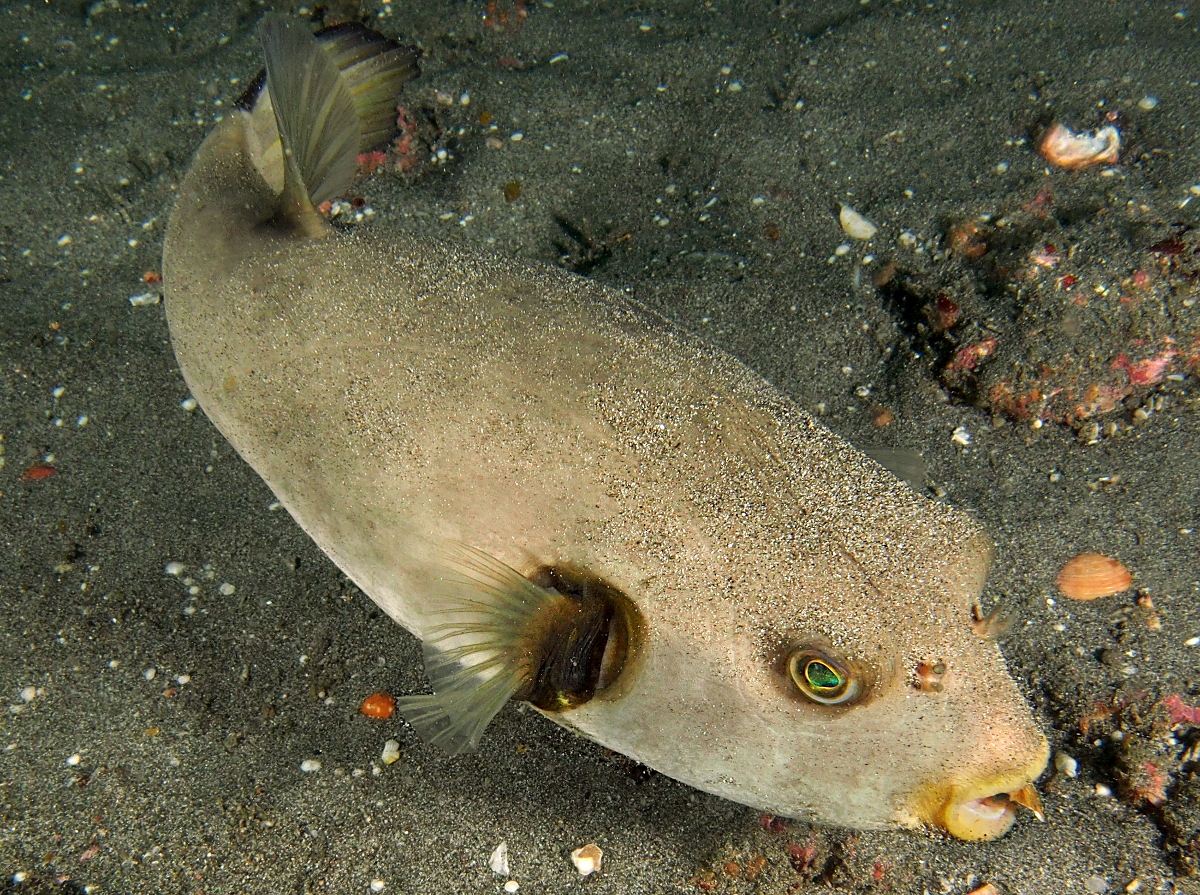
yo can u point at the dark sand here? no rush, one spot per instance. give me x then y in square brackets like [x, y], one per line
[196, 787]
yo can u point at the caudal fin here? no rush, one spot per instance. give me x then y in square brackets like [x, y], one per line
[328, 98]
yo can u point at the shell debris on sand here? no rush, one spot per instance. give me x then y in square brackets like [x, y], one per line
[391, 752]
[985, 889]
[855, 225]
[1090, 576]
[1064, 148]
[587, 858]
[378, 705]
[498, 860]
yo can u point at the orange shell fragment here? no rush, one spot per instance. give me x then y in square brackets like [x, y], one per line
[1090, 576]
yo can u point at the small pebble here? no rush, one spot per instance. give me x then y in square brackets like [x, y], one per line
[378, 885]
[174, 568]
[1066, 765]
[310, 765]
[227, 589]
[511, 886]
[1097, 885]
[74, 760]
[189, 404]
[28, 694]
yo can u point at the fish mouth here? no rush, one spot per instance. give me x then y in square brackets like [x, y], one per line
[989, 817]
[982, 809]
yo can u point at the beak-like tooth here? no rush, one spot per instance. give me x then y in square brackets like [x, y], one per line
[1027, 797]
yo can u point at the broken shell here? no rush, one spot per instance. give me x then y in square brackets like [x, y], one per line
[855, 225]
[1090, 576]
[1063, 147]
[498, 861]
[587, 858]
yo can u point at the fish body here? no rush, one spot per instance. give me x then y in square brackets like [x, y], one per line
[573, 502]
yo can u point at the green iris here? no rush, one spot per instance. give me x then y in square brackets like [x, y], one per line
[824, 678]
[821, 676]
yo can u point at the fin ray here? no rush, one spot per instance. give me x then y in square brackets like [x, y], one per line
[476, 657]
[317, 120]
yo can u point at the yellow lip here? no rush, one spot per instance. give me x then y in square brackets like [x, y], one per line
[980, 809]
[989, 817]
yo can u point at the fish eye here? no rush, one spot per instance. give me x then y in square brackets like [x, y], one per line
[822, 678]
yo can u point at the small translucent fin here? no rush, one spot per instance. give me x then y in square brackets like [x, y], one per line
[904, 463]
[994, 624]
[478, 654]
[374, 69]
[1027, 797]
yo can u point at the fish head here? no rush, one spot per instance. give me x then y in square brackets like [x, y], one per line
[841, 698]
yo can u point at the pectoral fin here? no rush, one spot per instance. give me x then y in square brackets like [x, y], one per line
[499, 636]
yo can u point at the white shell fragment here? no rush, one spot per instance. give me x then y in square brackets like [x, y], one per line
[391, 752]
[1066, 765]
[1063, 147]
[499, 859]
[855, 225]
[586, 858]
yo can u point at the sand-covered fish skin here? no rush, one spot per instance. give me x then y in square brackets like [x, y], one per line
[402, 396]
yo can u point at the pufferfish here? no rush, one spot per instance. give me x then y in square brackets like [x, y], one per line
[571, 501]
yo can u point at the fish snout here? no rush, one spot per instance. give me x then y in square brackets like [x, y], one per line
[984, 806]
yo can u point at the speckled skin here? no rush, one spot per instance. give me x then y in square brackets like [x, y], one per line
[396, 393]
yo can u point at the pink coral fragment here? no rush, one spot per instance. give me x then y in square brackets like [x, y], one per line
[1180, 712]
[1145, 372]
